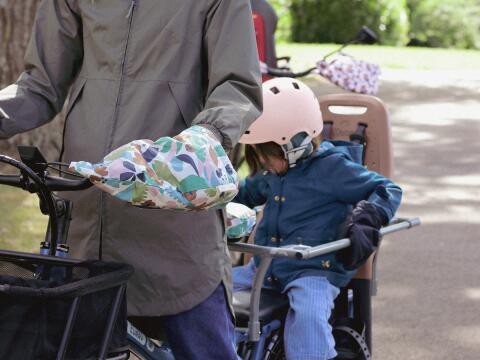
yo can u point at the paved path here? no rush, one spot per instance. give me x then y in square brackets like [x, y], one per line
[428, 304]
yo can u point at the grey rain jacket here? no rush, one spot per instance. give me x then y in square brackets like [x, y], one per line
[141, 69]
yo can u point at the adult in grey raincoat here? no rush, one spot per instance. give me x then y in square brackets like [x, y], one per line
[141, 69]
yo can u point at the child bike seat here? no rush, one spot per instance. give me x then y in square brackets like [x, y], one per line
[272, 305]
[377, 137]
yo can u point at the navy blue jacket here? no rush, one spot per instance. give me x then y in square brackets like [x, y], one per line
[307, 205]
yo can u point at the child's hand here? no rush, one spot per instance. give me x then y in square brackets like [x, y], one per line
[240, 221]
[363, 231]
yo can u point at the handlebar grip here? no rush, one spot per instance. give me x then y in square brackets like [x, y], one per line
[51, 182]
[414, 222]
[61, 184]
[11, 180]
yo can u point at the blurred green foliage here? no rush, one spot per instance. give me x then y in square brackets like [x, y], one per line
[445, 23]
[338, 21]
[431, 23]
[282, 8]
[22, 225]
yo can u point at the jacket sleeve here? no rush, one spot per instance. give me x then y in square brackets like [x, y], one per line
[234, 97]
[352, 183]
[53, 57]
[250, 192]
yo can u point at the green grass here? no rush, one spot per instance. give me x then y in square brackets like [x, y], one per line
[22, 225]
[408, 58]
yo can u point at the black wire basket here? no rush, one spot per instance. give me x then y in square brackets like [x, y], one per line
[52, 308]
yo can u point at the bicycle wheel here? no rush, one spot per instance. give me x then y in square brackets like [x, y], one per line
[275, 349]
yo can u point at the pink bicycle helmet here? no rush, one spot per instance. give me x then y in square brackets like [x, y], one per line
[289, 107]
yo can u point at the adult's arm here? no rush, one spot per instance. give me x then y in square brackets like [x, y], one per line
[52, 60]
[234, 96]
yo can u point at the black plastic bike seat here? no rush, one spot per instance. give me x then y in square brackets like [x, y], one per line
[272, 305]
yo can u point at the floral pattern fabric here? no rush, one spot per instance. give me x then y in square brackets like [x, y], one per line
[188, 172]
[240, 220]
[351, 74]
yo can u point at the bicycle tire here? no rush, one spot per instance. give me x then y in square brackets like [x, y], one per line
[275, 349]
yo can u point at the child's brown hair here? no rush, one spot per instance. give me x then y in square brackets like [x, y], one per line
[266, 150]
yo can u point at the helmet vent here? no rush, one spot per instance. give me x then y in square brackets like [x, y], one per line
[296, 86]
[274, 90]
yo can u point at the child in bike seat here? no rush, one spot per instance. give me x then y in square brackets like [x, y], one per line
[307, 192]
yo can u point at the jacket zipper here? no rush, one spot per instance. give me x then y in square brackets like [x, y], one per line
[131, 11]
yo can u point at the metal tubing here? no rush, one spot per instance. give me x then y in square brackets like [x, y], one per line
[325, 248]
[9, 255]
[111, 322]
[303, 253]
[404, 224]
[254, 323]
[264, 250]
[62, 351]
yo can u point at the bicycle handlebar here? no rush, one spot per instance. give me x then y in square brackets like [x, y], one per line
[297, 252]
[35, 180]
[286, 73]
[302, 252]
[62, 184]
[53, 183]
[11, 180]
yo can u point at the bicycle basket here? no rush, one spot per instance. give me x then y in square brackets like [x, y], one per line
[69, 317]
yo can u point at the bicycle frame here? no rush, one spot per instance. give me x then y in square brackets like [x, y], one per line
[256, 334]
[141, 345]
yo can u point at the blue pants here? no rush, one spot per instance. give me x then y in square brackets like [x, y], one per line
[308, 334]
[204, 332]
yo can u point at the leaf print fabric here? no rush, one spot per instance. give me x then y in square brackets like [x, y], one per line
[188, 172]
[240, 220]
[351, 74]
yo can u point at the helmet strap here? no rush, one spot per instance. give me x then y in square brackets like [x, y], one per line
[299, 147]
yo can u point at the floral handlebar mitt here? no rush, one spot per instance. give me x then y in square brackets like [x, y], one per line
[240, 220]
[188, 172]
[351, 74]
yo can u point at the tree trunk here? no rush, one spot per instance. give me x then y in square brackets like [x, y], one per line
[16, 21]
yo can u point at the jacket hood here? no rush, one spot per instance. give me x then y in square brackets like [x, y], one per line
[352, 151]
